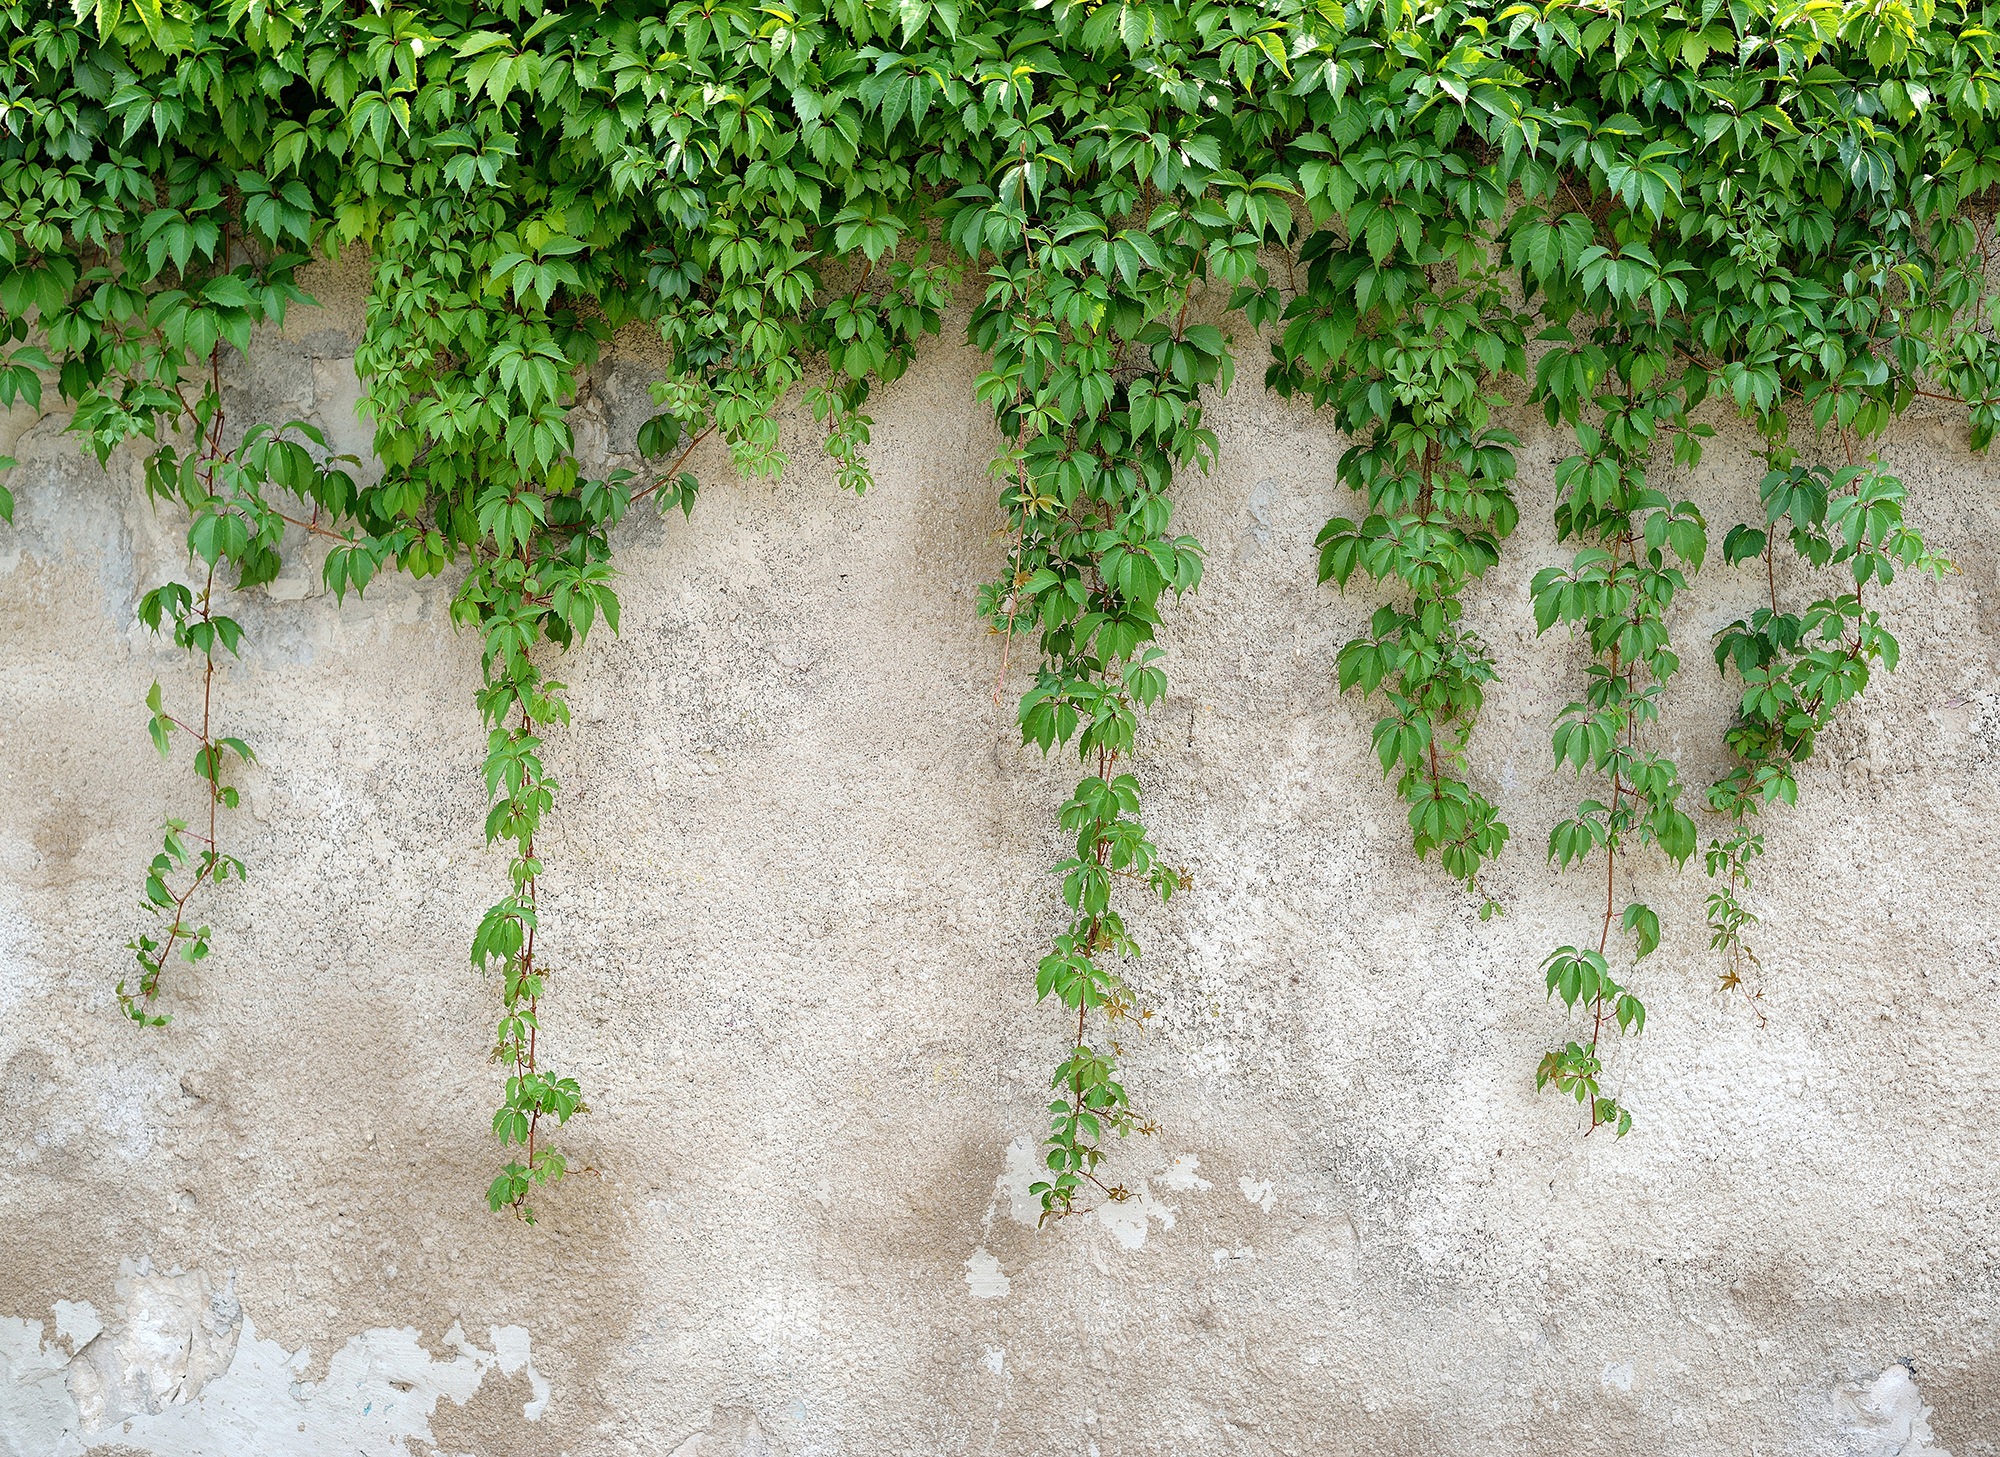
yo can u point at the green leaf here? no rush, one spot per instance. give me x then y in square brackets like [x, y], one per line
[1645, 928]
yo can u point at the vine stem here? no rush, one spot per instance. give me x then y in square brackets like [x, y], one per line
[150, 984]
[210, 438]
[1021, 469]
[528, 968]
[1624, 545]
[674, 469]
[1014, 578]
[1610, 890]
[1105, 759]
[314, 528]
[1424, 497]
[526, 964]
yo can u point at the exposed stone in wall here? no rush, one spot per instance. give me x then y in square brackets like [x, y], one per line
[797, 887]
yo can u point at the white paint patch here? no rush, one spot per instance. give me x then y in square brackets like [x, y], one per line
[984, 1275]
[1179, 1175]
[77, 1323]
[995, 1360]
[510, 1354]
[1022, 1171]
[179, 1371]
[1258, 1192]
[1229, 1257]
[35, 1407]
[175, 1333]
[1888, 1418]
[1127, 1220]
[1616, 1377]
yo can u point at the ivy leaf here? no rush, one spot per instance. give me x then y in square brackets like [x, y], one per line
[1645, 927]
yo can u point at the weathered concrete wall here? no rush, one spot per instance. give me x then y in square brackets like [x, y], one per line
[796, 893]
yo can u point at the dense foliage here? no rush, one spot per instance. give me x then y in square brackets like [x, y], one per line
[1633, 213]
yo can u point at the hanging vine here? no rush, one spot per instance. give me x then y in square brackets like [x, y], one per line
[1095, 378]
[1639, 216]
[1616, 595]
[1403, 325]
[1798, 668]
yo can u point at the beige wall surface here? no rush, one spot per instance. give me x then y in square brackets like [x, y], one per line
[797, 887]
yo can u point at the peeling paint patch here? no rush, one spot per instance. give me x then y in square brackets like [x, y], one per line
[1023, 1169]
[77, 1323]
[179, 1370]
[1888, 1418]
[984, 1275]
[178, 1332]
[1128, 1220]
[1181, 1176]
[1258, 1192]
[510, 1354]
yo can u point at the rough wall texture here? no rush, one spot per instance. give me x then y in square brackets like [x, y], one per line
[797, 890]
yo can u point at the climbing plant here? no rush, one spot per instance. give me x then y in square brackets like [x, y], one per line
[1643, 217]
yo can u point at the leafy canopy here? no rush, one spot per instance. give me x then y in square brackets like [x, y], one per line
[1639, 214]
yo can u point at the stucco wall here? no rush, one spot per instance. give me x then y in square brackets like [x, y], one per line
[796, 894]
